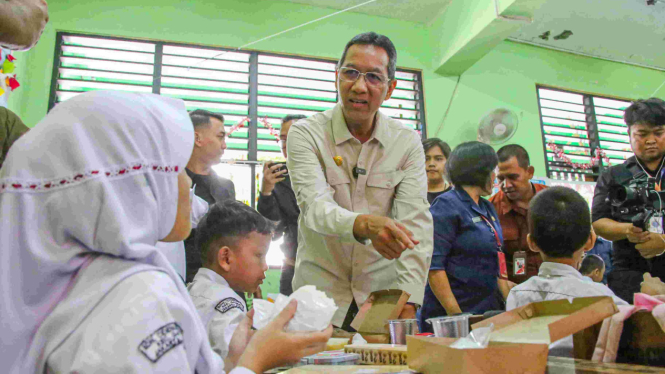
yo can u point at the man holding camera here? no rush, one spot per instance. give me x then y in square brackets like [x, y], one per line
[277, 202]
[618, 217]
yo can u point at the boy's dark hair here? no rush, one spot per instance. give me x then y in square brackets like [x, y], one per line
[591, 263]
[293, 117]
[225, 223]
[559, 221]
[382, 41]
[471, 164]
[201, 118]
[650, 112]
[509, 151]
[436, 142]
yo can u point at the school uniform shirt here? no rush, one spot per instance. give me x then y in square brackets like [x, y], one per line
[220, 308]
[100, 321]
[389, 181]
[555, 282]
[466, 248]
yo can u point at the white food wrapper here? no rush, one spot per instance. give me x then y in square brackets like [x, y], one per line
[358, 339]
[314, 313]
[477, 339]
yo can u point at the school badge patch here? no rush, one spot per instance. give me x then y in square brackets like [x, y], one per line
[228, 304]
[161, 341]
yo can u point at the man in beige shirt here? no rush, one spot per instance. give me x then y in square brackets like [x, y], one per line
[359, 178]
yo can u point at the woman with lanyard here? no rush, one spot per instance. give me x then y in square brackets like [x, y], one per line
[467, 263]
[84, 197]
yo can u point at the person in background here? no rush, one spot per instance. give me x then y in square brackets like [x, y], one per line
[11, 128]
[560, 232]
[359, 177]
[98, 182]
[22, 23]
[209, 146]
[233, 240]
[512, 206]
[278, 203]
[635, 251]
[603, 249]
[466, 264]
[436, 153]
[592, 268]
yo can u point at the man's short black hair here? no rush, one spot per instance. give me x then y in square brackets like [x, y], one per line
[649, 112]
[372, 38]
[436, 142]
[293, 117]
[509, 151]
[590, 263]
[225, 223]
[201, 118]
[559, 221]
[471, 164]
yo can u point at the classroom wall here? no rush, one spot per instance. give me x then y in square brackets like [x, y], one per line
[506, 77]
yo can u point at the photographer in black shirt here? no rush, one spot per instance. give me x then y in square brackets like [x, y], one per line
[277, 202]
[636, 250]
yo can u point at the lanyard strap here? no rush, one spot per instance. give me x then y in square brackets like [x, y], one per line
[496, 234]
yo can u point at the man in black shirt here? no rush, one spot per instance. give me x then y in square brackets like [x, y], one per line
[209, 146]
[436, 154]
[277, 202]
[635, 251]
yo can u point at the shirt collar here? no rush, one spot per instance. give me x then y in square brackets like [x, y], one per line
[507, 205]
[464, 196]
[556, 270]
[341, 131]
[210, 275]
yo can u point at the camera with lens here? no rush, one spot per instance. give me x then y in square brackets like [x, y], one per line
[637, 203]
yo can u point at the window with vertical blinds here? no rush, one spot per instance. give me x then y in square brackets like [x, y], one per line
[575, 126]
[255, 88]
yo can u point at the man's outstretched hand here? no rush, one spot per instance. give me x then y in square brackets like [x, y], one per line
[390, 238]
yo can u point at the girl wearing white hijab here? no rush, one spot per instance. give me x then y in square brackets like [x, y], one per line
[84, 197]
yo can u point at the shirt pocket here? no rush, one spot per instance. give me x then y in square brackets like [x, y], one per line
[381, 190]
[341, 185]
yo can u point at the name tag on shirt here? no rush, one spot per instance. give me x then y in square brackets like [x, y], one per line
[656, 224]
[477, 219]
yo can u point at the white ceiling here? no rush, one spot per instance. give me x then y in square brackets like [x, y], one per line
[620, 30]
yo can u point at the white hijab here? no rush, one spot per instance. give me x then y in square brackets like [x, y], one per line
[97, 175]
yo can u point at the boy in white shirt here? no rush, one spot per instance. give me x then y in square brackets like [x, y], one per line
[560, 230]
[233, 240]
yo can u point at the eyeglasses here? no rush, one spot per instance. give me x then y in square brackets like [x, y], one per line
[352, 75]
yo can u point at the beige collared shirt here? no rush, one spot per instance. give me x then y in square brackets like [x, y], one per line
[330, 198]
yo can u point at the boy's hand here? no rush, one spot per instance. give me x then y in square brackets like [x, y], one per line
[272, 347]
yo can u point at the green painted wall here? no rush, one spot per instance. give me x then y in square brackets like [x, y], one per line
[506, 77]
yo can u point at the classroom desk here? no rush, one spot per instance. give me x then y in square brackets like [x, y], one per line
[555, 365]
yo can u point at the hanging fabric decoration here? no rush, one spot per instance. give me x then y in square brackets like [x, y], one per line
[595, 160]
[238, 125]
[8, 82]
[268, 125]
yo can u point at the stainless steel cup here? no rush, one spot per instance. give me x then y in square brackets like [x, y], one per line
[400, 328]
[450, 327]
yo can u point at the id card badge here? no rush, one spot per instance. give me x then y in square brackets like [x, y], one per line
[503, 271]
[656, 223]
[519, 263]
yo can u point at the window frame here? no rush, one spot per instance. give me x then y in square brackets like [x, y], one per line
[593, 134]
[253, 94]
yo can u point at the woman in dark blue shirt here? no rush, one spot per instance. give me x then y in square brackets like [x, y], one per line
[465, 269]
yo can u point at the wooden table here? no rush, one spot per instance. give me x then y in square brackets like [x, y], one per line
[555, 365]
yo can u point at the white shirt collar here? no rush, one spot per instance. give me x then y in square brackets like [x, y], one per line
[556, 270]
[210, 275]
